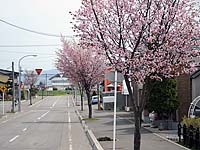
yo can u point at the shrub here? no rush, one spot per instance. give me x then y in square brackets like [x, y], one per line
[195, 122]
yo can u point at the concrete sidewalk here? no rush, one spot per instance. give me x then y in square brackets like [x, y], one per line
[102, 126]
[8, 106]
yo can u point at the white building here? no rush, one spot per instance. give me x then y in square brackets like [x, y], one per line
[60, 82]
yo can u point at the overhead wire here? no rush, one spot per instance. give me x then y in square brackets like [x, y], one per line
[26, 52]
[40, 45]
[33, 31]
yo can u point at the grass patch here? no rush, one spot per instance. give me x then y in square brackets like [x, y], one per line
[52, 93]
[90, 119]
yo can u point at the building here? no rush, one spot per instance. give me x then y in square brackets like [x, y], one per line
[188, 88]
[195, 81]
[108, 92]
[7, 80]
[60, 82]
[6, 75]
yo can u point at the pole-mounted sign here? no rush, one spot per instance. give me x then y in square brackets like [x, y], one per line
[3, 89]
[38, 71]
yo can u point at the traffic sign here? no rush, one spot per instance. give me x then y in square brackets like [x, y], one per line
[3, 88]
[38, 71]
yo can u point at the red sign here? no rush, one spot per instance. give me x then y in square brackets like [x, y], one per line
[38, 71]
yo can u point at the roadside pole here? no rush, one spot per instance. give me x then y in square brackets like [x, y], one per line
[13, 88]
[3, 103]
[115, 105]
[3, 89]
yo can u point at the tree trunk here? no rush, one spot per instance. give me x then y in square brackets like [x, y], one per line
[89, 104]
[137, 133]
[81, 100]
[138, 95]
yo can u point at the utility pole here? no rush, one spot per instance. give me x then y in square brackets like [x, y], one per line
[13, 88]
[46, 85]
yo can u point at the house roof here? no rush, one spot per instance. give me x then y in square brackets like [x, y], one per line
[5, 75]
[56, 76]
[8, 73]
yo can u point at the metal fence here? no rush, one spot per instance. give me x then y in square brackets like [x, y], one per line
[189, 136]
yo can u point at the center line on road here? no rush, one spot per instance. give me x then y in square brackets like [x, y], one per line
[69, 133]
[54, 103]
[24, 129]
[11, 140]
[68, 102]
[43, 115]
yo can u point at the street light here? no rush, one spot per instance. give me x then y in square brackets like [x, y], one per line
[19, 86]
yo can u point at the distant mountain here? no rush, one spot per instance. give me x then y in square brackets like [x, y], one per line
[51, 71]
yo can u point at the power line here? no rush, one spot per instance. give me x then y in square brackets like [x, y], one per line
[25, 52]
[44, 45]
[33, 31]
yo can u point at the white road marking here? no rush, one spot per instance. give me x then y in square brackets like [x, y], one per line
[11, 140]
[69, 133]
[54, 104]
[68, 102]
[70, 147]
[24, 129]
[43, 115]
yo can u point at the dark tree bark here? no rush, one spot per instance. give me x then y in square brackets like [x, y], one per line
[137, 130]
[81, 100]
[139, 98]
[89, 104]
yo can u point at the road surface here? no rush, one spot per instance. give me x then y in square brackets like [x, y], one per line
[49, 124]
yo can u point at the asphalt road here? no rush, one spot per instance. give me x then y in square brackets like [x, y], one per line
[49, 124]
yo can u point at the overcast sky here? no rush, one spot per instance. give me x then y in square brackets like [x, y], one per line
[47, 16]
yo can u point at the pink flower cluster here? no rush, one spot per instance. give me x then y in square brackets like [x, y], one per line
[142, 38]
[80, 65]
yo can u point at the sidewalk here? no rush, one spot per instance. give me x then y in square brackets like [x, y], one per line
[8, 106]
[102, 126]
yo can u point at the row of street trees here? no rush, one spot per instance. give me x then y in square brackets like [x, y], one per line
[143, 39]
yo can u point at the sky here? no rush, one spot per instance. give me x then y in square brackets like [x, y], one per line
[47, 16]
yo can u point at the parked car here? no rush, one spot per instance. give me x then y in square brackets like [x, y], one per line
[95, 99]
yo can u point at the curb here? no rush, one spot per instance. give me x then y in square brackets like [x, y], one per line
[90, 135]
[166, 139]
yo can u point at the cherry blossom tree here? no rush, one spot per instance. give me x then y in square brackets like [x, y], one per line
[82, 65]
[143, 39]
[30, 77]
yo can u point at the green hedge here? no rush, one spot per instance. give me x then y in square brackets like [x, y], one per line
[195, 122]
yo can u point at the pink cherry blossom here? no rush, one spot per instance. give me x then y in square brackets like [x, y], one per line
[143, 39]
[81, 65]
